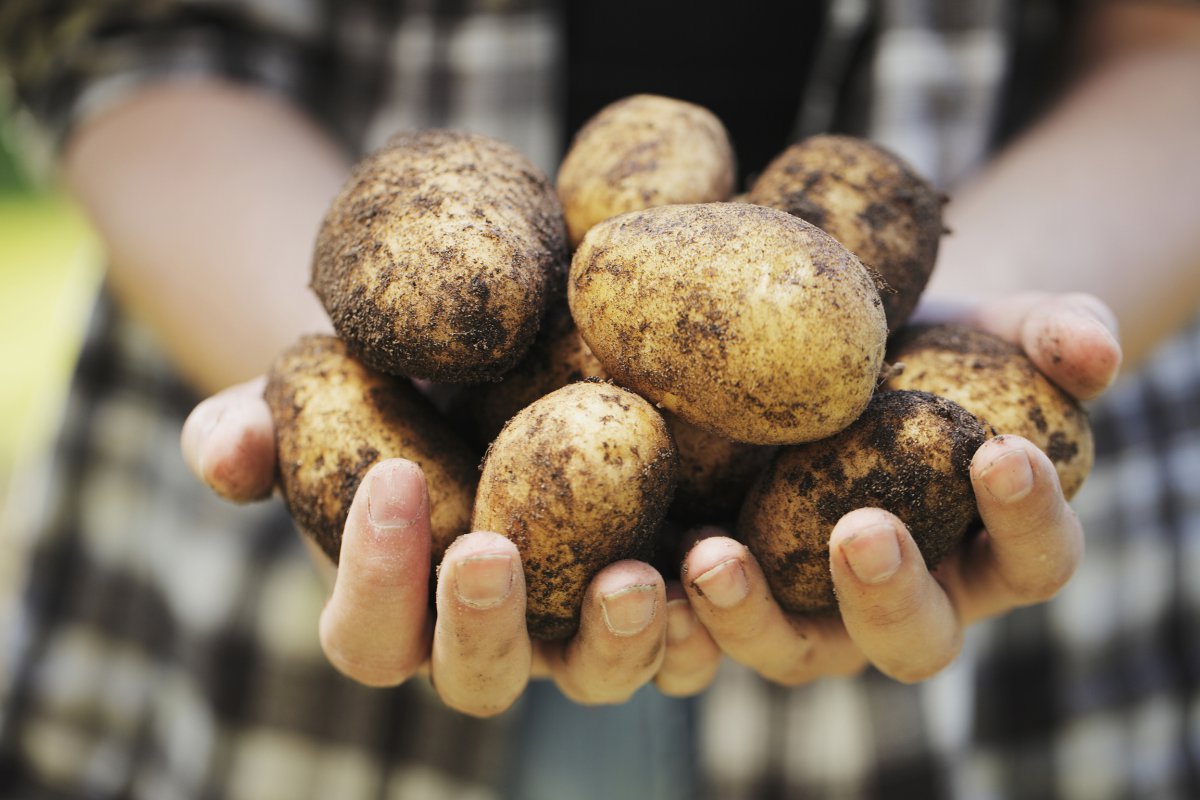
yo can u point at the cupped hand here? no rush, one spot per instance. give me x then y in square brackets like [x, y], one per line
[894, 613]
[377, 626]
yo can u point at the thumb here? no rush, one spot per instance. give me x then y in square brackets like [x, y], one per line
[228, 441]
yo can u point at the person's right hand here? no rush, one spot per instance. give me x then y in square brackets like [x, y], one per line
[377, 627]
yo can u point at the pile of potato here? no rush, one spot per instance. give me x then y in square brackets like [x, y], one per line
[641, 349]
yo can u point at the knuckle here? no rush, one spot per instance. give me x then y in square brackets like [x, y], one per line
[797, 675]
[927, 663]
[684, 685]
[367, 666]
[378, 574]
[899, 612]
[612, 680]
[1092, 304]
[739, 631]
[1038, 587]
[800, 666]
[680, 678]
[371, 670]
[593, 694]
[915, 673]
[1045, 573]
[800, 657]
[483, 705]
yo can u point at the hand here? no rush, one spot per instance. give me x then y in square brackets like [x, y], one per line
[377, 627]
[895, 614]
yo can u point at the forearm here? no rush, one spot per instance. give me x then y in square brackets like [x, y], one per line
[1101, 197]
[208, 198]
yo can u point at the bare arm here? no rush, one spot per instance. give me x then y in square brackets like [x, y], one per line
[208, 197]
[1102, 194]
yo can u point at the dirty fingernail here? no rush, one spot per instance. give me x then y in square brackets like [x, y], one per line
[396, 496]
[630, 610]
[1010, 477]
[484, 581]
[724, 585]
[873, 553]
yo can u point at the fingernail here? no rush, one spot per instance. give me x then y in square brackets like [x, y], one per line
[1009, 477]
[396, 497]
[484, 581]
[680, 620]
[199, 429]
[1095, 322]
[724, 585]
[873, 553]
[1095, 310]
[628, 611]
[1114, 346]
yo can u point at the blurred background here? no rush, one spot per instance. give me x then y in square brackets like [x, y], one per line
[49, 267]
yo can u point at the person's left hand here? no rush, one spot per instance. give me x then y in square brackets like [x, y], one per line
[894, 613]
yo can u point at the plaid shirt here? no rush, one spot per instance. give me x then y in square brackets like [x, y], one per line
[165, 644]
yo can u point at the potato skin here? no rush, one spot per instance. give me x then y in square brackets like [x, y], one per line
[909, 453]
[715, 473]
[559, 356]
[997, 382]
[743, 320]
[439, 256]
[577, 480]
[335, 417]
[643, 151]
[867, 198]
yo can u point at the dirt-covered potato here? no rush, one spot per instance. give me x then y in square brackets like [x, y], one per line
[558, 357]
[334, 418]
[644, 151]
[578, 480]
[868, 199]
[994, 380]
[909, 453]
[438, 258]
[715, 472]
[741, 319]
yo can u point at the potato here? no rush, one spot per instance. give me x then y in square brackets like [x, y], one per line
[558, 357]
[644, 151]
[335, 418]
[578, 480]
[715, 473]
[868, 199]
[997, 382]
[440, 255]
[909, 453]
[743, 320]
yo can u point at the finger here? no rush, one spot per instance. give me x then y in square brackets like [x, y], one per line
[731, 598]
[228, 442]
[481, 650]
[1071, 338]
[692, 658]
[1033, 541]
[622, 633]
[374, 627]
[893, 609]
